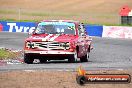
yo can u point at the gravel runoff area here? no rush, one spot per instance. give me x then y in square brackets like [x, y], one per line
[53, 79]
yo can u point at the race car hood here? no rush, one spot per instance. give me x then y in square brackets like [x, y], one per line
[52, 37]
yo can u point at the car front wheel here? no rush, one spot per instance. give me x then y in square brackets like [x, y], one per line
[28, 59]
[43, 60]
[73, 58]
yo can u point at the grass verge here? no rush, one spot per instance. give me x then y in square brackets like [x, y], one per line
[83, 21]
[5, 54]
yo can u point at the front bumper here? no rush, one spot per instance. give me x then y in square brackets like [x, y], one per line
[47, 52]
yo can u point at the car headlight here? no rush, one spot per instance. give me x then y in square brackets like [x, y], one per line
[30, 45]
[66, 45]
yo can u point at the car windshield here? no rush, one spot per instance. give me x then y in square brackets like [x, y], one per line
[55, 28]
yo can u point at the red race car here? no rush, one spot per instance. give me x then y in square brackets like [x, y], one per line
[58, 40]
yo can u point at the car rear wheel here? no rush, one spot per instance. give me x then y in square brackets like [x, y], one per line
[85, 58]
[28, 59]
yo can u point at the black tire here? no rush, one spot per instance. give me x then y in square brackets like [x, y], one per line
[71, 59]
[43, 60]
[28, 59]
[85, 58]
[81, 80]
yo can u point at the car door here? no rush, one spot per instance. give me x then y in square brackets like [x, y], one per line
[82, 40]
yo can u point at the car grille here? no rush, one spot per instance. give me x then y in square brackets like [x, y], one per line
[52, 45]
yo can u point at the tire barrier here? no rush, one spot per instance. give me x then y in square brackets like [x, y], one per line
[92, 30]
[17, 26]
[117, 32]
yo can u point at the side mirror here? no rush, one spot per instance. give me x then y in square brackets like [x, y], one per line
[82, 34]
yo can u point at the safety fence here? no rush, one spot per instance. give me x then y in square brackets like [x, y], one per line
[93, 30]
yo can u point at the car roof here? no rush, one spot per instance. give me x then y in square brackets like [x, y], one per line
[60, 21]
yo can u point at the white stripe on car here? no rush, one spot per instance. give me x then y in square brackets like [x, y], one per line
[53, 38]
[47, 37]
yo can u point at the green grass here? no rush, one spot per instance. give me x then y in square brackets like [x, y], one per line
[37, 14]
[14, 20]
[4, 54]
[7, 12]
[40, 15]
[48, 14]
[83, 21]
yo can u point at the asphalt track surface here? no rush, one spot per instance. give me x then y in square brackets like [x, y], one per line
[108, 53]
